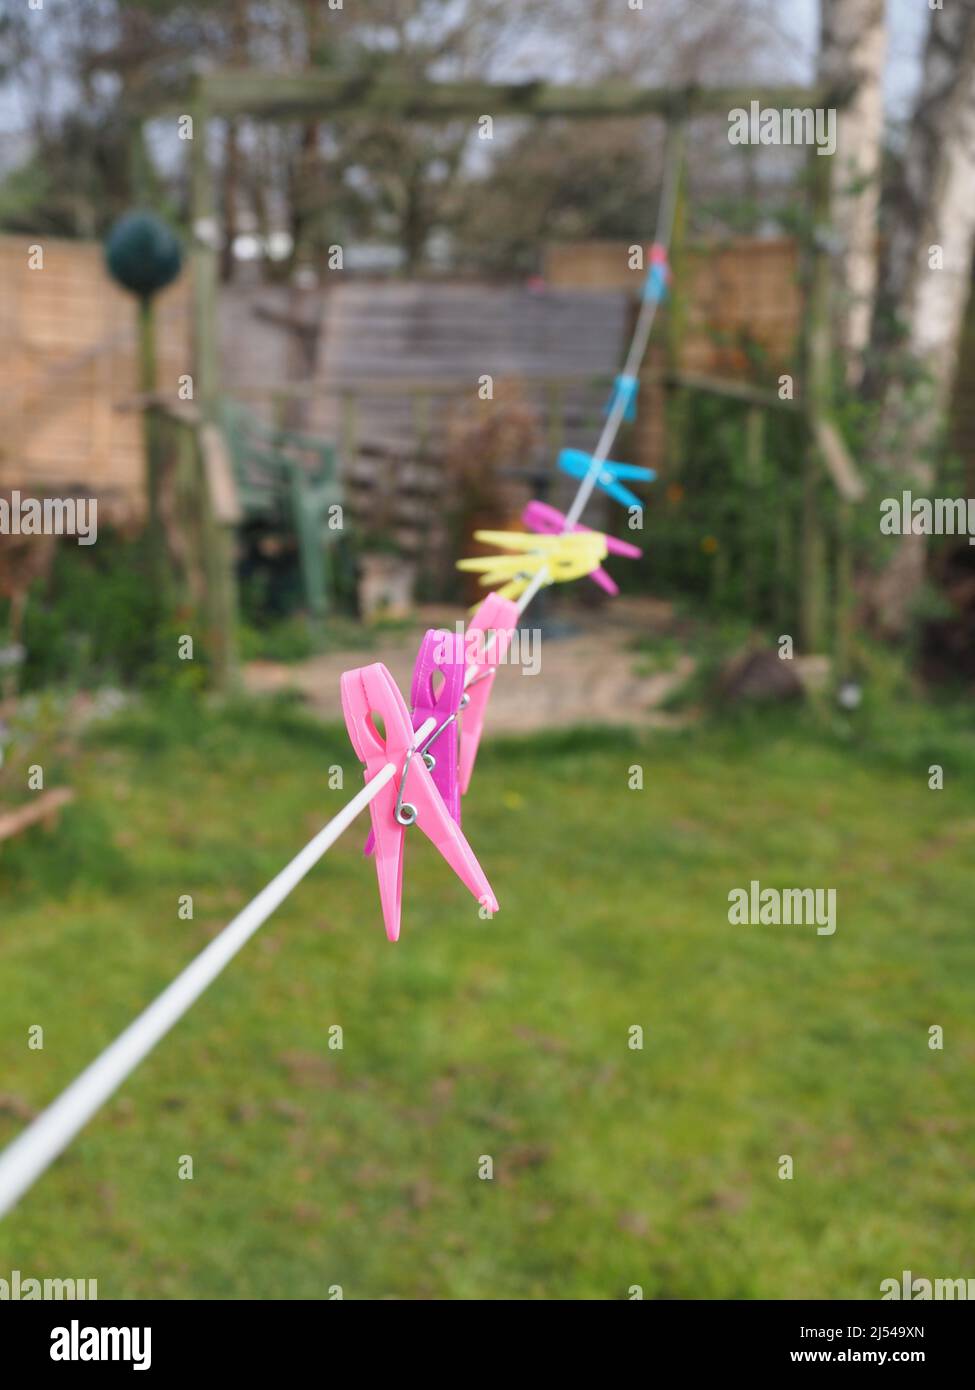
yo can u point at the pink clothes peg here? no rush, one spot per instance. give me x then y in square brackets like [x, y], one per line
[410, 798]
[549, 521]
[500, 616]
[444, 652]
[659, 274]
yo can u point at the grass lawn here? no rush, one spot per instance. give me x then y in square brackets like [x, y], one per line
[612, 1167]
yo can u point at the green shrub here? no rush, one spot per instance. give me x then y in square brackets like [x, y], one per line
[96, 621]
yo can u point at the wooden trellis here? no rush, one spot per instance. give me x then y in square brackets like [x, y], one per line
[303, 96]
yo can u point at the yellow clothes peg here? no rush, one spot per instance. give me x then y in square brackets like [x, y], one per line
[562, 557]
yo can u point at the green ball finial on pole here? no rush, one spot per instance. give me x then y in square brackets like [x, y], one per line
[144, 256]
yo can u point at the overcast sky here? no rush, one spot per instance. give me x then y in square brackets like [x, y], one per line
[907, 25]
[798, 18]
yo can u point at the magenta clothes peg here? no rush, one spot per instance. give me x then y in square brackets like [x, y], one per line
[409, 798]
[549, 521]
[500, 616]
[444, 652]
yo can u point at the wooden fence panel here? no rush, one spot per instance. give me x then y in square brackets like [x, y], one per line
[67, 362]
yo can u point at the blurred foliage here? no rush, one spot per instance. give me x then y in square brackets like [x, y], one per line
[97, 622]
[712, 530]
[34, 733]
[722, 532]
[95, 69]
[555, 181]
[298, 637]
[712, 643]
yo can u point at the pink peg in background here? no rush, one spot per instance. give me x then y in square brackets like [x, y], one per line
[545, 520]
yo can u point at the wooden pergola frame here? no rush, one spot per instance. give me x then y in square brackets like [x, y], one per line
[239, 92]
[290, 96]
[276, 97]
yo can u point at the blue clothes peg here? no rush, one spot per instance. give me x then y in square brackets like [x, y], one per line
[577, 463]
[625, 388]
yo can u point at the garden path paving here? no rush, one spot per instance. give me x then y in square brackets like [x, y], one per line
[591, 676]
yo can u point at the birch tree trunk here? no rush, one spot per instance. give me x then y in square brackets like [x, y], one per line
[853, 49]
[926, 281]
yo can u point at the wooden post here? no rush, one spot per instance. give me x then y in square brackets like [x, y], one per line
[752, 531]
[204, 265]
[784, 565]
[152, 443]
[850, 489]
[220, 515]
[218, 535]
[843, 644]
[815, 392]
[188, 502]
[141, 175]
[812, 562]
[678, 398]
[348, 452]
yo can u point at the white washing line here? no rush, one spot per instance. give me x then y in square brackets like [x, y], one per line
[35, 1149]
[634, 357]
[25, 1159]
